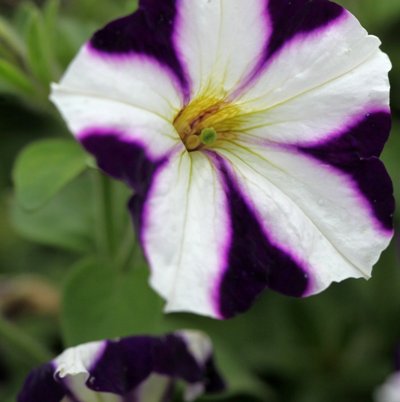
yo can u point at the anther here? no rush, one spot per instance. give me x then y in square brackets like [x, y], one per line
[192, 142]
[208, 136]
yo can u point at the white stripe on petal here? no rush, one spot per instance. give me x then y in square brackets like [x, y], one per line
[199, 345]
[316, 83]
[201, 348]
[220, 41]
[72, 368]
[186, 233]
[136, 80]
[89, 112]
[78, 360]
[153, 389]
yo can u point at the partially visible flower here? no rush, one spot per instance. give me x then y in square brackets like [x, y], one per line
[390, 390]
[251, 132]
[133, 369]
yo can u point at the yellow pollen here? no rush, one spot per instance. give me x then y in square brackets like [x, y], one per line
[205, 121]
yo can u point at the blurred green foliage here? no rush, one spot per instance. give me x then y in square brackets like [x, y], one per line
[70, 222]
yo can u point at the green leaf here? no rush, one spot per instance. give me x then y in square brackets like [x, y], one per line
[66, 221]
[239, 377]
[50, 14]
[373, 14]
[11, 39]
[41, 59]
[44, 168]
[14, 79]
[391, 159]
[120, 304]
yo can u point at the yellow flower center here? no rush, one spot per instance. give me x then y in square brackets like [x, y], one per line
[205, 122]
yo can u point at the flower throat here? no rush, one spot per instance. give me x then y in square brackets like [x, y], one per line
[205, 122]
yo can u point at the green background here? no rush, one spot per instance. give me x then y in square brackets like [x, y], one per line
[60, 222]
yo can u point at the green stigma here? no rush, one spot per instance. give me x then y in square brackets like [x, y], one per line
[208, 136]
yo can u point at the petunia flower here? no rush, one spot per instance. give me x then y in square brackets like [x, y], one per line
[390, 390]
[133, 369]
[250, 131]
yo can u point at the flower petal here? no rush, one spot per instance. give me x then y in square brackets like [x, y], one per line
[258, 258]
[40, 386]
[87, 115]
[149, 32]
[313, 211]
[133, 97]
[117, 371]
[220, 42]
[185, 232]
[129, 63]
[317, 84]
[390, 390]
[211, 255]
[133, 80]
[290, 18]
[355, 152]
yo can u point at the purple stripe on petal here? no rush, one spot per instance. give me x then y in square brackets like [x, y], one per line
[172, 358]
[397, 358]
[123, 365]
[126, 363]
[355, 152]
[292, 17]
[148, 31]
[213, 382]
[120, 158]
[124, 160]
[41, 386]
[130, 398]
[254, 263]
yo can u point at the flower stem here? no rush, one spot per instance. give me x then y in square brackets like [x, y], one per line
[128, 246]
[22, 342]
[105, 235]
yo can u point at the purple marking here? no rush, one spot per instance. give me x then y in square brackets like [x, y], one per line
[355, 152]
[397, 358]
[123, 366]
[213, 381]
[254, 263]
[126, 363]
[132, 397]
[174, 359]
[124, 160]
[292, 17]
[148, 31]
[41, 386]
[166, 351]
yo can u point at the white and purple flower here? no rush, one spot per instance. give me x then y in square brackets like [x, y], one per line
[134, 369]
[390, 390]
[251, 132]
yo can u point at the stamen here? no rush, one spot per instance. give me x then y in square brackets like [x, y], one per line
[192, 142]
[208, 136]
